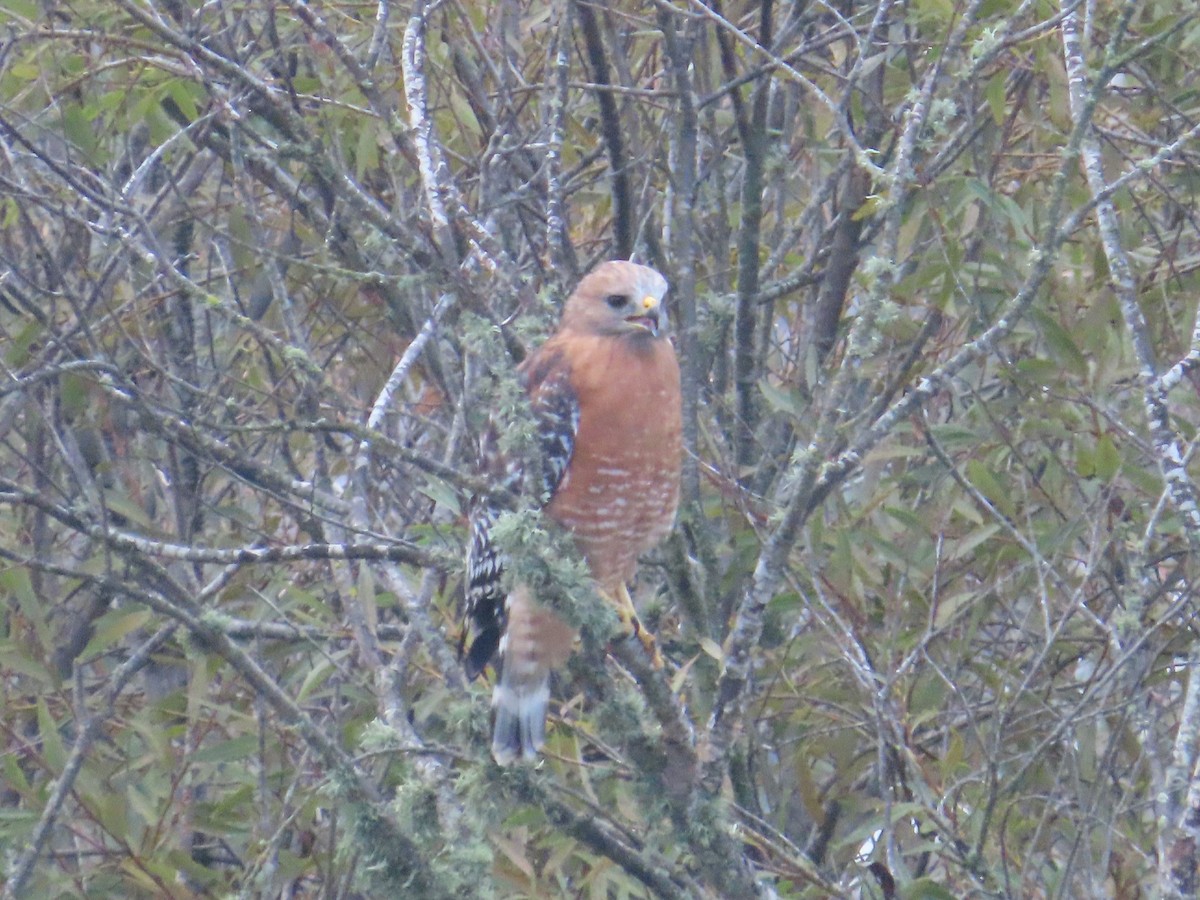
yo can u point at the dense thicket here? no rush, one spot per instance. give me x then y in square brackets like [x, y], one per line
[929, 610]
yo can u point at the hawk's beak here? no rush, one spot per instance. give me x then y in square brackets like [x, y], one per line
[650, 318]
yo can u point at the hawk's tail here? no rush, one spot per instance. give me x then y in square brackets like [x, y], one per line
[535, 641]
[520, 717]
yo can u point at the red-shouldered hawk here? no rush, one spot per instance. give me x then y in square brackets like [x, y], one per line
[604, 390]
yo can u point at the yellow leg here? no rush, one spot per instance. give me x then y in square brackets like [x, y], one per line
[629, 619]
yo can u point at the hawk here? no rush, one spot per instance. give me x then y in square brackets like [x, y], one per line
[604, 392]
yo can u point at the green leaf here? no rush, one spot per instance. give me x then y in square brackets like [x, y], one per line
[1041, 371]
[17, 353]
[994, 92]
[366, 151]
[17, 582]
[925, 701]
[316, 677]
[74, 391]
[907, 518]
[712, 648]
[112, 809]
[118, 500]
[77, 128]
[873, 204]
[15, 824]
[14, 657]
[989, 485]
[953, 436]
[464, 113]
[1061, 345]
[182, 92]
[1107, 458]
[781, 400]
[14, 777]
[1085, 462]
[111, 627]
[927, 889]
[949, 607]
[243, 747]
[24, 71]
[52, 745]
[442, 494]
[967, 545]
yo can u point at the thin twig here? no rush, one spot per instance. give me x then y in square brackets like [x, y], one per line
[22, 869]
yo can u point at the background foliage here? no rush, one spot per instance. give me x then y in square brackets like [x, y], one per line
[929, 610]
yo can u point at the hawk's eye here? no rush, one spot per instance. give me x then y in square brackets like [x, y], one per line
[616, 301]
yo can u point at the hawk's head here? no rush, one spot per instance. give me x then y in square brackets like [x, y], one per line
[618, 298]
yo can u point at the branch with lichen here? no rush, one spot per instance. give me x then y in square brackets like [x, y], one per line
[728, 711]
[1179, 814]
[560, 60]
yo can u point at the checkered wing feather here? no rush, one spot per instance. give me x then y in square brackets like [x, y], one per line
[555, 409]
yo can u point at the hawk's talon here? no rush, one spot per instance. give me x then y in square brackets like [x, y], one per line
[632, 625]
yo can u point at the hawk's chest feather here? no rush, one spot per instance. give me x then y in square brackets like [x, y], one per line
[621, 488]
